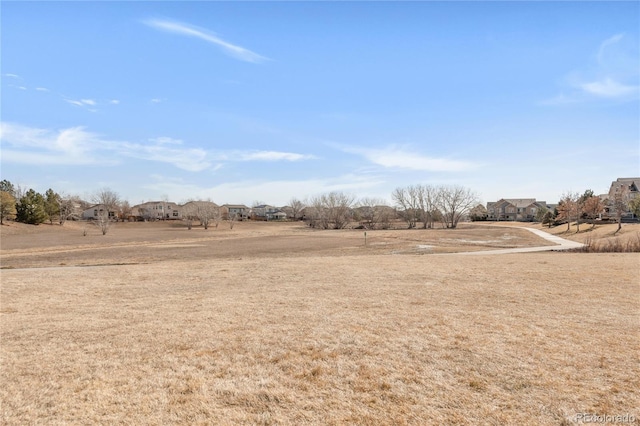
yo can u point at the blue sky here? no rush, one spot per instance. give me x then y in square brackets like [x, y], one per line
[265, 101]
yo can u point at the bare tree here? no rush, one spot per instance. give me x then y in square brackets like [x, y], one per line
[331, 210]
[106, 197]
[568, 208]
[619, 204]
[148, 213]
[125, 210]
[338, 206]
[454, 202]
[207, 212]
[373, 213]
[189, 214]
[407, 200]
[108, 204]
[427, 203]
[316, 213]
[67, 206]
[296, 207]
[19, 191]
[593, 207]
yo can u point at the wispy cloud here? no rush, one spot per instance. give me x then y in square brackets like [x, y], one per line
[404, 157]
[273, 156]
[609, 88]
[76, 146]
[86, 102]
[73, 146]
[602, 51]
[613, 75]
[82, 102]
[156, 100]
[190, 159]
[230, 49]
[163, 140]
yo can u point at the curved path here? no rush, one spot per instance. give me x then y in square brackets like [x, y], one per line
[561, 244]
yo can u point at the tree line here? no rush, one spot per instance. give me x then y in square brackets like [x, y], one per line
[31, 207]
[333, 210]
[425, 204]
[417, 205]
[574, 207]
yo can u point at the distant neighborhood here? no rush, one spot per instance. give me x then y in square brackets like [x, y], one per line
[417, 204]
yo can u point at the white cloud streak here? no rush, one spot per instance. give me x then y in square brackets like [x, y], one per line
[41, 146]
[82, 102]
[609, 88]
[230, 49]
[189, 159]
[612, 76]
[608, 42]
[166, 140]
[76, 146]
[272, 156]
[398, 157]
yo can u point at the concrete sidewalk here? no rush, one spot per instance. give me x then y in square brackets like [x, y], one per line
[561, 244]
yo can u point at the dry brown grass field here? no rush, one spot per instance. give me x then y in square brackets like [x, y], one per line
[272, 323]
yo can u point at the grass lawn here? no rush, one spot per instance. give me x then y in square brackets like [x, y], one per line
[280, 324]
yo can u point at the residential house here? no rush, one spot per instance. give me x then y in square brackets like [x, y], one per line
[158, 210]
[96, 211]
[630, 187]
[267, 212]
[235, 211]
[514, 209]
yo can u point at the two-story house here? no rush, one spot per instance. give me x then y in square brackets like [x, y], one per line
[514, 209]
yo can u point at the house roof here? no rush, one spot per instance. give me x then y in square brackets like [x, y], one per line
[168, 204]
[200, 203]
[631, 183]
[235, 206]
[94, 206]
[520, 202]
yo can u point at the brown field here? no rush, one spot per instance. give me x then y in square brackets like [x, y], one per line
[275, 323]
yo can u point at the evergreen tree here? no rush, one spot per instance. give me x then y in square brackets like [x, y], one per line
[7, 206]
[30, 208]
[7, 186]
[51, 204]
[634, 205]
